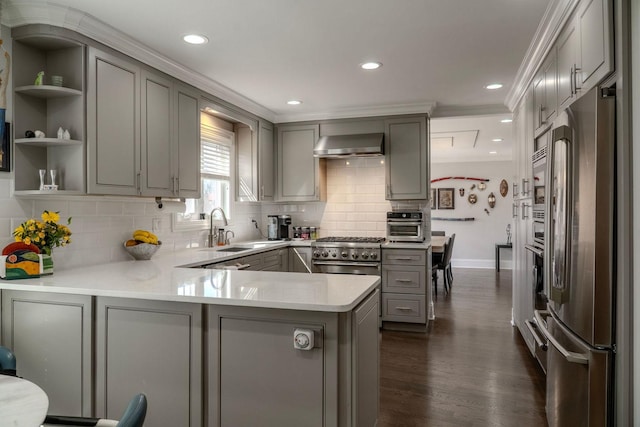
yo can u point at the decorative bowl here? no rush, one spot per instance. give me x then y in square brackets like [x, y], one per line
[142, 251]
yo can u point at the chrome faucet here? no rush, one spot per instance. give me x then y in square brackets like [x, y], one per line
[226, 236]
[213, 231]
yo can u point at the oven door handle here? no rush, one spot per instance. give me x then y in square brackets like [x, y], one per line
[349, 264]
[535, 250]
[392, 222]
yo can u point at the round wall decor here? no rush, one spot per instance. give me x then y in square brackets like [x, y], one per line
[504, 188]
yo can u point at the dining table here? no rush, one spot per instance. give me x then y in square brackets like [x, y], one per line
[437, 244]
[22, 403]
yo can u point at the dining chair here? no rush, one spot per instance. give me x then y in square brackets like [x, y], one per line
[437, 233]
[133, 416]
[7, 362]
[444, 264]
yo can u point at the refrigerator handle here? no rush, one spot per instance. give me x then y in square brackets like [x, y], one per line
[570, 356]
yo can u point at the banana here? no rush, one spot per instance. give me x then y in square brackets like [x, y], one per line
[145, 237]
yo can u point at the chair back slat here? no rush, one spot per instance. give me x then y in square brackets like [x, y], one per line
[448, 250]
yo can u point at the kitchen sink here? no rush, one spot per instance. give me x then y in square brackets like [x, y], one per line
[231, 249]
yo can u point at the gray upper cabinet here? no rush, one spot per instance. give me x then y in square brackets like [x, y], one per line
[585, 50]
[596, 41]
[187, 142]
[144, 130]
[301, 176]
[156, 135]
[113, 111]
[545, 92]
[247, 160]
[407, 158]
[266, 162]
[568, 63]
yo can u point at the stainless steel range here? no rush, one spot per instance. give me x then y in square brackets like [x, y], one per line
[347, 255]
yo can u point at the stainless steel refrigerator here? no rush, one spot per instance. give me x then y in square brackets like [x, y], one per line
[580, 321]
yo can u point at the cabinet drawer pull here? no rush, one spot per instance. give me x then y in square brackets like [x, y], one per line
[404, 280]
[404, 308]
[401, 258]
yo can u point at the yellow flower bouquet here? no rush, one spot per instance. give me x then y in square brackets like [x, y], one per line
[46, 234]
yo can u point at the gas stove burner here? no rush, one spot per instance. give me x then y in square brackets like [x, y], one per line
[345, 239]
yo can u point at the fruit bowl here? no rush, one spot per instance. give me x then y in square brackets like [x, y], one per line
[142, 251]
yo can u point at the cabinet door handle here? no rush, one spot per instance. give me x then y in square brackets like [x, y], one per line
[514, 210]
[138, 182]
[388, 190]
[525, 186]
[261, 192]
[572, 81]
[524, 210]
[541, 121]
[576, 70]
[515, 189]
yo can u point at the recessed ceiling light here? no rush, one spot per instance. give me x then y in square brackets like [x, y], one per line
[371, 65]
[493, 152]
[497, 139]
[493, 86]
[506, 120]
[195, 39]
[294, 102]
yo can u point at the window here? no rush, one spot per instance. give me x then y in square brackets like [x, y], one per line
[216, 169]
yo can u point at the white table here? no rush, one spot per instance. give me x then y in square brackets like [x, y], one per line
[22, 403]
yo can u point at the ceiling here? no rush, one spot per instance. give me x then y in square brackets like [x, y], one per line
[435, 53]
[471, 139]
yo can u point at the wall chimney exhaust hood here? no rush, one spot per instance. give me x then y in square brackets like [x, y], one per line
[368, 144]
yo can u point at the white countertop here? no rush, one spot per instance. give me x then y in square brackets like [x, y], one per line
[159, 279]
[407, 245]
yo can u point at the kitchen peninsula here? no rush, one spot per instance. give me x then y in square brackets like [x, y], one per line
[207, 347]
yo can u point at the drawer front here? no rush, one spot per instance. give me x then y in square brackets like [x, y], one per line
[254, 261]
[271, 258]
[404, 257]
[404, 308]
[404, 279]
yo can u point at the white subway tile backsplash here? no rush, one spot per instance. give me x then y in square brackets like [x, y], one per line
[109, 208]
[77, 208]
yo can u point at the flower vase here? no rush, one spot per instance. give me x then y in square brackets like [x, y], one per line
[47, 265]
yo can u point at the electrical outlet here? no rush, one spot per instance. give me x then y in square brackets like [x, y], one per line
[156, 224]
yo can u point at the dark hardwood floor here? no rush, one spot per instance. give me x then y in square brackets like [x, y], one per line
[472, 368]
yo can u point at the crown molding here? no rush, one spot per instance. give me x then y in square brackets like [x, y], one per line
[556, 16]
[355, 112]
[474, 110]
[15, 14]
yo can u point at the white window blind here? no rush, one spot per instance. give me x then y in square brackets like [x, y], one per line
[215, 159]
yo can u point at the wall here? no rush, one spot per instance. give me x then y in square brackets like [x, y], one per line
[475, 240]
[355, 205]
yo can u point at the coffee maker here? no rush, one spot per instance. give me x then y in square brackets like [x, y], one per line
[278, 227]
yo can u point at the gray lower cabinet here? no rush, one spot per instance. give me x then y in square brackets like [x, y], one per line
[406, 285]
[52, 335]
[150, 347]
[407, 158]
[257, 378]
[300, 259]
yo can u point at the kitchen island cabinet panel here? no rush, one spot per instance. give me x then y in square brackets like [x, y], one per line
[150, 347]
[51, 335]
[260, 369]
[407, 158]
[299, 259]
[113, 122]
